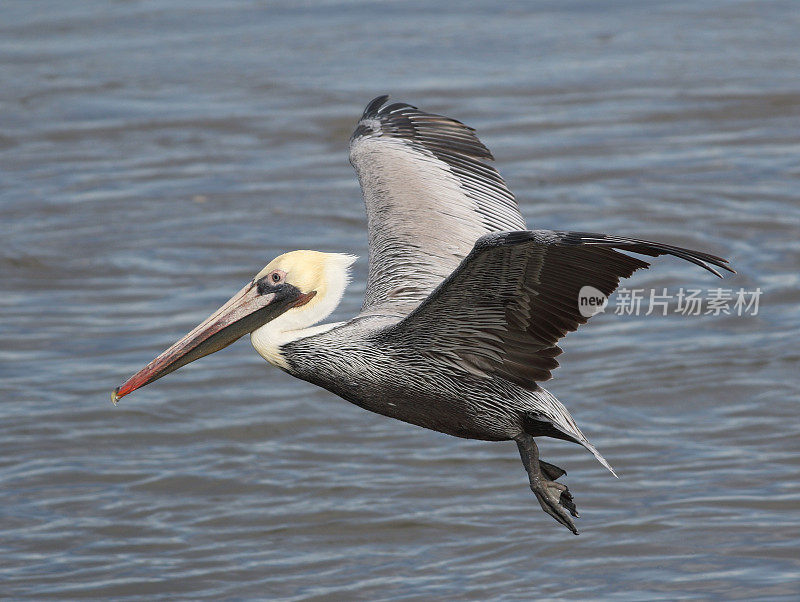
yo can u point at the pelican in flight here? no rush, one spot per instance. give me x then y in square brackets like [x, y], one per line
[464, 306]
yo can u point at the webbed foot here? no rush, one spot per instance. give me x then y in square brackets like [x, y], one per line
[554, 498]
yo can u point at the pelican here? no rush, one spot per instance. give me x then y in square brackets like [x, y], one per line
[464, 306]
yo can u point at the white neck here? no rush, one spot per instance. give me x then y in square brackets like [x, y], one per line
[269, 339]
[298, 322]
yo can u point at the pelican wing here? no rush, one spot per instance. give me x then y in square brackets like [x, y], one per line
[504, 309]
[429, 195]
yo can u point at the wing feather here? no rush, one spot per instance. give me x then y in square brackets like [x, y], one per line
[503, 311]
[429, 195]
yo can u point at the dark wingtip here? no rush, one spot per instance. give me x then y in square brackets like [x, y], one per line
[708, 258]
[707, 261]
[398, 106]
[717, 261]
[374, 106]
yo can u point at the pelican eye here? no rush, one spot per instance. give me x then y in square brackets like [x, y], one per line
[268, 283]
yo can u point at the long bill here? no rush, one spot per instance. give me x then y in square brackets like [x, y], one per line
[244, 312]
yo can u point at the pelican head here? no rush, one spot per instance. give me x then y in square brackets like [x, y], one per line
[294, 291]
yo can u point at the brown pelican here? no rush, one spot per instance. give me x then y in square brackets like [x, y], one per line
[463, 309]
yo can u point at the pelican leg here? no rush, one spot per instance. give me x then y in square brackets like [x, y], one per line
[554, 498]
[551, 471]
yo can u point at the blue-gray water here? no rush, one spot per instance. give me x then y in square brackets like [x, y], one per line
[155, 155]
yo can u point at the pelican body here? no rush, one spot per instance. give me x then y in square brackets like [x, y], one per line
[463, 309]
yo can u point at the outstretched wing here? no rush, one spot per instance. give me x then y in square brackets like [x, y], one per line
[429, 196]
[504, 309]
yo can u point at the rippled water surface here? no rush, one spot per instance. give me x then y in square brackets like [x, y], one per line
[154, 155]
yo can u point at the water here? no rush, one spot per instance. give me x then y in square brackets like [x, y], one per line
[154, 156]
